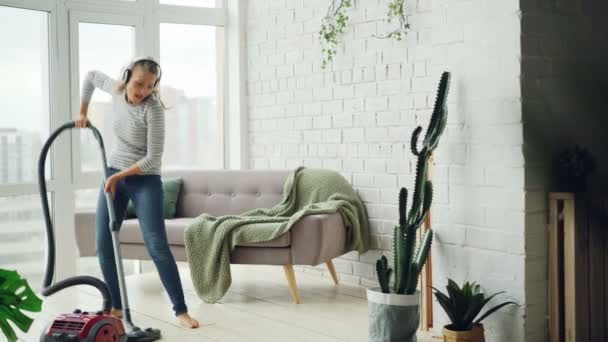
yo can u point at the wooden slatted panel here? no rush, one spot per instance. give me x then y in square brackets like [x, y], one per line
[428, 282]
[426, 276]
[580, 227]
[555, 273]
[569, 271]
[578, 267]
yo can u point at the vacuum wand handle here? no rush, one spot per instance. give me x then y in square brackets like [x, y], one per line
[47, 287]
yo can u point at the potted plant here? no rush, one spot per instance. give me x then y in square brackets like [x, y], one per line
[463, 305]
[16, 295]
[574, 165]
[393, 310]
[335, 20]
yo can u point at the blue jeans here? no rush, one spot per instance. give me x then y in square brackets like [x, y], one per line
[146, 192]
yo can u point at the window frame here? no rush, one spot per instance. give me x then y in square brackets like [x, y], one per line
[59, 183]
[82, 179]
[146, 17]
[64, 91]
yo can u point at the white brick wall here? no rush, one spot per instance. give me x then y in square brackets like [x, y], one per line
[357, 117]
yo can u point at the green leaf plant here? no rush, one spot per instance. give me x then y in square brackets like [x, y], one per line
[16, 296]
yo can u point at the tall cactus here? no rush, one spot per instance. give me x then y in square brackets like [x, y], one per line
[384, 273]
[407, 262]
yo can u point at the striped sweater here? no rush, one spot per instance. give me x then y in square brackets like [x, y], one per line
[139, 129]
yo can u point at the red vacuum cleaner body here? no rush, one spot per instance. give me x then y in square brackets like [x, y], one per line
[85, 327]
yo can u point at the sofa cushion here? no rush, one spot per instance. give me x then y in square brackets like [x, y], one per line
[131, 233]
[227, 192]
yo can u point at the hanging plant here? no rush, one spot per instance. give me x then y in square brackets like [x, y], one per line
[332, 26]
[334, 23]
[396, 13]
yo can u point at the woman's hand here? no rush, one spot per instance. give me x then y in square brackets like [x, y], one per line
[82, 121]
[110, 185]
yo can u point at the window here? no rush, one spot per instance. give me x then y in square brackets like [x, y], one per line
[191, 84]
[106, 48]
[23, 236]
[24, 92]
[193, 3]
[24, 124]
[47, 49]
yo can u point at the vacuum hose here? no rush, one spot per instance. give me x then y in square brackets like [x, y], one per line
[49, 289]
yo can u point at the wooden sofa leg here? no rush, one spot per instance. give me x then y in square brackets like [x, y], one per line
[291, 280]
[332, 271]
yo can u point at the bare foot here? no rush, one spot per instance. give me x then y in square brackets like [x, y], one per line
[188, 322]
[116, 313]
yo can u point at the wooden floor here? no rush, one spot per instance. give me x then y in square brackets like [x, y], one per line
[258, 307]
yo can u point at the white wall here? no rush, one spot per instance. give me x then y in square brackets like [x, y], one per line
[357, 118]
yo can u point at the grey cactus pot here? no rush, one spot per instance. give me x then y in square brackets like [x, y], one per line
[393, 317]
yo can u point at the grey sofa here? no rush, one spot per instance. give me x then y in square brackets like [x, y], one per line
[313, 240]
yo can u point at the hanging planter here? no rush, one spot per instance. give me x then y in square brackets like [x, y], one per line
[334, 23]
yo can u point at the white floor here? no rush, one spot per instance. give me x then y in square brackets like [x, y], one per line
[258, 307]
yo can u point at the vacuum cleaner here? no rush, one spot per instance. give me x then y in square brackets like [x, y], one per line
[79, 325]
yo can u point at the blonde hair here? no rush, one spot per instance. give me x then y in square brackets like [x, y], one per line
[148, 66]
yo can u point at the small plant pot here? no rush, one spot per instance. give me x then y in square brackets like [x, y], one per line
[474, 335]
[392, 317]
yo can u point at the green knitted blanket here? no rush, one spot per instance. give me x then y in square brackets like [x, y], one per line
[209, 239]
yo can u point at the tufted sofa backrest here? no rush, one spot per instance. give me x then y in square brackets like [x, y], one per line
[224, 192]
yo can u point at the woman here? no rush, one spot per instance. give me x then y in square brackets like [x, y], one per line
[134, 168]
